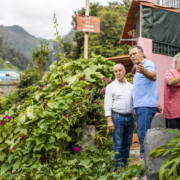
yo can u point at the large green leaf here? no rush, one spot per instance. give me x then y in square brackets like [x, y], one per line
[78, 130]
[72, 79]
[49, 113]
[44, 126]
[3, 146]
[72, 162]
[20, 129]
[16, 165]
[37, 96]
[50, 146]
[21, 118]
[52, 104]
[155, 152]
[98, 75]
[86, 163]
[6, 166]
[40, 140]
[102, 178]
[173, 131]
[52, 139]
[38, 147]
[2, 156]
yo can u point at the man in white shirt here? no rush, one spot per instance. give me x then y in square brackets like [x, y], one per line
[118, 105]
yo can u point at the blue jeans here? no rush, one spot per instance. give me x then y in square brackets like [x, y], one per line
[144, 116]
[122, 138]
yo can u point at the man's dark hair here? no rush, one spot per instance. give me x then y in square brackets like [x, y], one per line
[138, 47]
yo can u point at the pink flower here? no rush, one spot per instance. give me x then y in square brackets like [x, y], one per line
[96, 113]
[63, 85]
[89, 87]
[42, 87]
[75, 103]
[1, 123]
[10, 118]
[67, 83]
[103, 90]
[22, 136]
[82, 78]
[44, 101]
[77, 149]
[13, 148]
[68, 116]
[107, 80]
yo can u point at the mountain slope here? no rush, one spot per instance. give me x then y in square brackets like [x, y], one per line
[16, 37]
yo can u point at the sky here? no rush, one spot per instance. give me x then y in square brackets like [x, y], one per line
[36, 16]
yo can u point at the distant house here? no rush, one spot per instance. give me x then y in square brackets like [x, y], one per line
[9, 74]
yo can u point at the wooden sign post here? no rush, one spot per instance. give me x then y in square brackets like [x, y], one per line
[87, 24]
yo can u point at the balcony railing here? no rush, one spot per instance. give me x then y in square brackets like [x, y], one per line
[171, 3]
[165, 49]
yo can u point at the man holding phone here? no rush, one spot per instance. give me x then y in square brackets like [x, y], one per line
[145, 92]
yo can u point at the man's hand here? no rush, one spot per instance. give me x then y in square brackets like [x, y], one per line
[159, 108]
[135, 125]
[110, 124]
[140, 68]
[151, 75]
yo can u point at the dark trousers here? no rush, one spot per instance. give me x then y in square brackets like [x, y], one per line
[173, 123]
[122, 138]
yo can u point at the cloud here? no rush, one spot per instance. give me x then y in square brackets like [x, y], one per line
[36, 16]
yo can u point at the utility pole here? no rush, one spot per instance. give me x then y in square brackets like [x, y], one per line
[86, 33]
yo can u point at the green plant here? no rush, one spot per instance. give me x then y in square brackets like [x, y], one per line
[133, 170]
[7, 101]
[41, 56]
[29, 78]
[48, 118]
[172, 151]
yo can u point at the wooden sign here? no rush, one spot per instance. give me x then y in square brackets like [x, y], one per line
[88, 23]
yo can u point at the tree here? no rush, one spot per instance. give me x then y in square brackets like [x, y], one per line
[41, 56]
[106, 43]
[68, 46]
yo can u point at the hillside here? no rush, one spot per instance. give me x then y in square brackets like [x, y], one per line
[17, 38]
[9, 57]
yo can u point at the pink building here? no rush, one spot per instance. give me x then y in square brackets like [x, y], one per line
[157, 30]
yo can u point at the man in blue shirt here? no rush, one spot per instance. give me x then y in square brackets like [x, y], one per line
[145, 92]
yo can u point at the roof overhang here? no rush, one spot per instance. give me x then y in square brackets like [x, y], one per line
[125, 60]
[131, 17]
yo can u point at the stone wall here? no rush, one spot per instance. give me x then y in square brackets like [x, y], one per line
[7, 86]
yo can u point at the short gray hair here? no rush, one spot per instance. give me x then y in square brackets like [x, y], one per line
[119, 64]
[138, 47]
[175, 59]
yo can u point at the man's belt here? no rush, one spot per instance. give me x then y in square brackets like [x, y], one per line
[125, 115]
